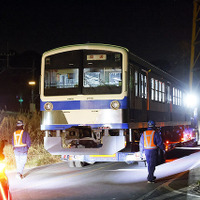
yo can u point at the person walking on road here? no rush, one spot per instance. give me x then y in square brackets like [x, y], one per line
[149, 142]
[21, 143]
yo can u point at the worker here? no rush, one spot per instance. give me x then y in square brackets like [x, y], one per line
[150, 140]
[21, 143]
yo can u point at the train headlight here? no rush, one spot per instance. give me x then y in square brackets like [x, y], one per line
[48, 106]
[115, 105]
[191, 100]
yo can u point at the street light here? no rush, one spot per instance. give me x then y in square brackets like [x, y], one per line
[32, 83]
[32, 104]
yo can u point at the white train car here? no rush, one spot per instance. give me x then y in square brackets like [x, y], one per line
[97, 98]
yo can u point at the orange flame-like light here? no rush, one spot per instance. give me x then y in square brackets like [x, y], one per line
[2, 192]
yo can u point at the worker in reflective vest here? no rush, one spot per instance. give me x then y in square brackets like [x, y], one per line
[21, 143]
[149, 142]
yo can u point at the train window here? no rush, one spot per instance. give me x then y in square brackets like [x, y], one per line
[160, 91]
[136, 83]
[61, 78]
[142, 86]
[175, 96]
[145, 87]
[156, 90]
[115, 78]
[91, 79]
[83, 72]
[152, 88]
[178, 98]
[94, 77]
[168, 94]
[163, 92]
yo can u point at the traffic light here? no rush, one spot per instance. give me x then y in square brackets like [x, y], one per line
[20, 100]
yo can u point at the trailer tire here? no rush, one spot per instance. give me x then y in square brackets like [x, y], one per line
[79, 164]
[71, 163]
[142, 164]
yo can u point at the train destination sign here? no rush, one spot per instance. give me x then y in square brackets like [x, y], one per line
[96, 57]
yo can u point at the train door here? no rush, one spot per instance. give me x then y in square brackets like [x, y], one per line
[136, 92]
[133, 90]
[134, 106]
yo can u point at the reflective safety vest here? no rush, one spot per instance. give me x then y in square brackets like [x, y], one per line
[149, 139]
[18, 138]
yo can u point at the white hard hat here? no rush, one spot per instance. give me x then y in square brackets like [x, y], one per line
[20, 123]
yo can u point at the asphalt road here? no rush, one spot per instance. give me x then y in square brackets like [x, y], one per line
[107, 181]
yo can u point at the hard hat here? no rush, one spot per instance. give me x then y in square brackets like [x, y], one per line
[151, 124]
[20, 123]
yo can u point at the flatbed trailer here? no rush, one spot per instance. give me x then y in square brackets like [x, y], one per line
[80, 160]
[188, 139]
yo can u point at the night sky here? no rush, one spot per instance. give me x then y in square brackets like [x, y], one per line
[158, 31]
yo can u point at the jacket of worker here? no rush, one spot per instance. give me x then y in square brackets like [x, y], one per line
[21, 141]
[151, 140]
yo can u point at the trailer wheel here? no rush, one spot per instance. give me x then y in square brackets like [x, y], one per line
[142, 164]
[79, 164]
[71, 163]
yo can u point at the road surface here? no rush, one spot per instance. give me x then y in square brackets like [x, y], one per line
[107, 181]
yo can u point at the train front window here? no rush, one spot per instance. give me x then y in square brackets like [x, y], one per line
[83, 72]
[61, 78]
[101, 80]
[102, 72]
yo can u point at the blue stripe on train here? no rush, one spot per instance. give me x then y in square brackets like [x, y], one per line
[66, 126]
[86, 104]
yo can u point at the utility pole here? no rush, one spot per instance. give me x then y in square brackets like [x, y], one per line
[195, 39]
[195, 54]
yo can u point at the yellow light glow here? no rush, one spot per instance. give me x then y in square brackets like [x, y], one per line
[114, 155]
[2, 171]
[2, 167]
[31, 82]
[125, 143]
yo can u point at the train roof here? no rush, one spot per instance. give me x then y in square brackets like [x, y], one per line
[85, 45]
[147, 66]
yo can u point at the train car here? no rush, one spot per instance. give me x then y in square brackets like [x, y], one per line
[96, 99]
